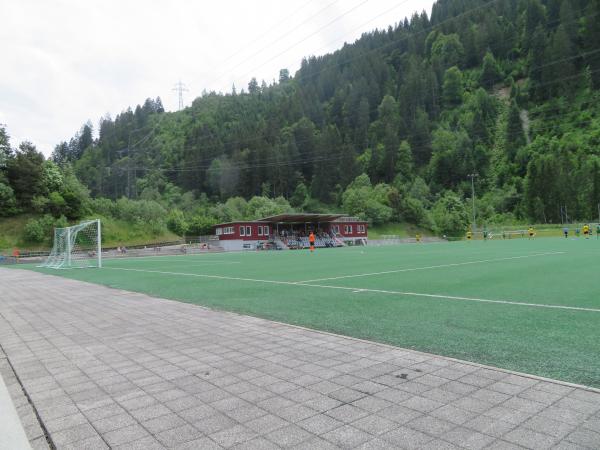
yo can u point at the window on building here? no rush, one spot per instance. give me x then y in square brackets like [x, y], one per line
[219, 231]
[266, 230]
[361, 229]
[260, 230]
[248, 230]
[348, 229]
[242, 230]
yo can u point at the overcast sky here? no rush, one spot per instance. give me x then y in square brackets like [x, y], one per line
[65, 61]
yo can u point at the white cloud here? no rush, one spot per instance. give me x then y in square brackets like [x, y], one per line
[67, 61]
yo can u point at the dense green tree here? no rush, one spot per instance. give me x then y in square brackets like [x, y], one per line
[515, 136]
[490, 73]
[25, 173]
[453, 87]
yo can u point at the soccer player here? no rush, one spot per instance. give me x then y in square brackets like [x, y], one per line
[597, 231]
[311, 241]
[531, 233]
[418, 237]
[566, 232]
[469, 235]
[586, 231]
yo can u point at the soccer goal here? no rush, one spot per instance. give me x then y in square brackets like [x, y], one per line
[78, 246]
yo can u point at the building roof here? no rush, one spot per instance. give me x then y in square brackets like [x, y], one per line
[297, 218]
[301, 218]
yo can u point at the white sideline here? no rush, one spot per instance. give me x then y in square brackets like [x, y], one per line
[359, 290]
[481, 261]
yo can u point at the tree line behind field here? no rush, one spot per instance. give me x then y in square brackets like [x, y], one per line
[388, 128]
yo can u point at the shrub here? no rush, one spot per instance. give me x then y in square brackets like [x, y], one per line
[8, 203]
[42, 229]
[34, 232]
[201, 225]
[450, 215]
[176, 222]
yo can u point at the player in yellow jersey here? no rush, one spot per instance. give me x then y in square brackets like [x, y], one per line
[586, 231]
[531, 233]
[469, 235]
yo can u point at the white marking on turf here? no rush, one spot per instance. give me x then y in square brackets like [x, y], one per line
[359, 290]
[412, 269]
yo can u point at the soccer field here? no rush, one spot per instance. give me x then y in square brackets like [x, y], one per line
[530, 306]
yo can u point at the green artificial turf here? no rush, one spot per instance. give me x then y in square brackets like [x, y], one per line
[552, 342]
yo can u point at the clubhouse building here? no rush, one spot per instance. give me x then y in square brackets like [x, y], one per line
[290, 231]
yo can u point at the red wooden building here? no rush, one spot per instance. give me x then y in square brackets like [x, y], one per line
[291, 231]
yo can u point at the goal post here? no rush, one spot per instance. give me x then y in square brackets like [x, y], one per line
[78, 246]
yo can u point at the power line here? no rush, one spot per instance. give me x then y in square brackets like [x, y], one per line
[278, 24]
[307, 37]
[288, 32]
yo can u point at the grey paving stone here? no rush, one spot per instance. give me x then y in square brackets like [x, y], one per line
[179, 435]
[163, 423]
[487, 425]
[212, 424]
[431, 425]
[399, 414]
[347, 437]
[372, 404]
[147, 443]
[201, 443]
[499, 444]
[529, 438]
[39, 444]
[232, 436]
[288, 436]
[347, 413]
[548, 426]
[150, 412]
[266, 424]
[375, 425]
[320, 423]
[322, 403]
[258, 443]
[92, 443]
[408, 438]
[247, 412]
[421, 404]
[466, 438]
[315, 443]
[113, 423]
[587, 438]
[125, 435]
[196, 413]
[74, 434]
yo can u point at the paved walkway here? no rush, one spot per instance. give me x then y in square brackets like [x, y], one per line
[112, 369]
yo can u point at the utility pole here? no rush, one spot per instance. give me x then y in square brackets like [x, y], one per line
[472, 176]
[180, 88]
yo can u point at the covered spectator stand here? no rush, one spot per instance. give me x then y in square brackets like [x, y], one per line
[290, 231]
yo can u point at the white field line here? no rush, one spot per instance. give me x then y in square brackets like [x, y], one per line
[359, 290]
[412, 269]
[191, 262]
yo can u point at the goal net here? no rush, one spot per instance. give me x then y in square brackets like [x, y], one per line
[76, 247]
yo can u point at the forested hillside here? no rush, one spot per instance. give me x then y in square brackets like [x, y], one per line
[390, 127]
